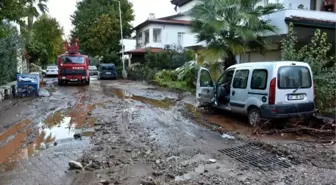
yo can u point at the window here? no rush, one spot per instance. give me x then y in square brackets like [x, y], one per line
[108, 67]
[259, 79]
[157, 35]
[292, 77]
[205, 79]
[180, 38]
[139, 40]
[240, 79]
[226, 77]
[146, 36]
[72, 60]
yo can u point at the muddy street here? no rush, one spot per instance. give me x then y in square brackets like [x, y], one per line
[124, 132]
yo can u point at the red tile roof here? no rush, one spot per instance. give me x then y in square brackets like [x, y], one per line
[143, 50]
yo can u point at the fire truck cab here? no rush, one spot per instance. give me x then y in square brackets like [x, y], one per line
[73, 67]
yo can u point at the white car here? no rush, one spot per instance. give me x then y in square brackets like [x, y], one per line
[260, 90]
[52, 71]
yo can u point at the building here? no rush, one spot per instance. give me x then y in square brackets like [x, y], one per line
[157, 34]
[306, 15]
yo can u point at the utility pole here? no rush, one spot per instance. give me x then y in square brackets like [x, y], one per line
[124, 72]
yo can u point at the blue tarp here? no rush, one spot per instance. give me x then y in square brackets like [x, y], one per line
[27, 84]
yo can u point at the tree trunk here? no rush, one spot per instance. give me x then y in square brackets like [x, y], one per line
[229, 60]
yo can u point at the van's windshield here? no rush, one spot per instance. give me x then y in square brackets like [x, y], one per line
[293, 77]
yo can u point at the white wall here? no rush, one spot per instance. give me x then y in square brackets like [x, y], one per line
[184, 18]
[169, 35]
[129, 44]
[278, 18]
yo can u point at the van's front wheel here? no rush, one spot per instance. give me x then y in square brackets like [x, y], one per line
[254, 116]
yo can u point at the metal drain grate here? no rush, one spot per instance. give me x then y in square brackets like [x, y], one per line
[255, 156]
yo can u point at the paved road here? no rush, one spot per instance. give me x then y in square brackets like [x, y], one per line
[133, 133]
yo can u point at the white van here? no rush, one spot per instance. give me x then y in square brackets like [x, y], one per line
[260, 90]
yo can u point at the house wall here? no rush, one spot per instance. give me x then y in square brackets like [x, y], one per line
[185, 18]
[278, 18]
[169, 35]
[274, 55]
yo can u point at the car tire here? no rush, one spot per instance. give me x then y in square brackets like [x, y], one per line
[254, 116]
[60, 82]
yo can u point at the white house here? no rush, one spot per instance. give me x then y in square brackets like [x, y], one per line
[156, 34]
[306, 15]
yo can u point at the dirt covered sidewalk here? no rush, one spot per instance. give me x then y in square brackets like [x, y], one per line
[145, 135]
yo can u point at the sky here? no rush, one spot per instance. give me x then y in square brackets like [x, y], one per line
[62, 9]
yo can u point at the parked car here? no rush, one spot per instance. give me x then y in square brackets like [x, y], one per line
[93, 70]
[260, 90]
[107, 71]
[52, 71]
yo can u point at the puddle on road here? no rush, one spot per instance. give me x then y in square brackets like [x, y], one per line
[163, 103]
[55, 127]
[14, 142]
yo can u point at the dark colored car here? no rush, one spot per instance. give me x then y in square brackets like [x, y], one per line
[107, 71]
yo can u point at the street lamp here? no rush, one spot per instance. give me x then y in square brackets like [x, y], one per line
[124, 72]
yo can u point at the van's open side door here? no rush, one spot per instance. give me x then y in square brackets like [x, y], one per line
[205, 88]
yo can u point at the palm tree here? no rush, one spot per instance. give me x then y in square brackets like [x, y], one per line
[31, 11]
[230, 27]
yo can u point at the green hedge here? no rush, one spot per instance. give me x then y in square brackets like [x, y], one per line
[9, 47]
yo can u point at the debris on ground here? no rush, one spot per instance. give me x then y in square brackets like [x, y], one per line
[227, 136]
[74, 165]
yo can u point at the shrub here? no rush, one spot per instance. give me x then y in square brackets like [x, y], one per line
[167, 59]
[9, 47]
[182, 78]
[323, 66]
[141, 72]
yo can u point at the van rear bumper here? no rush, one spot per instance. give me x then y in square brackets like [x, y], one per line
[288, 110]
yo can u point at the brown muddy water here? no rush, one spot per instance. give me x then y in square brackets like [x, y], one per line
[60, 125]
[165, 103]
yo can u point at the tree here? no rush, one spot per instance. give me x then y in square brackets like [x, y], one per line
[316, 54]
[96, 24]
[31, 11]
[9, 47]
[230, 27]
[47, 31]
[11, 10]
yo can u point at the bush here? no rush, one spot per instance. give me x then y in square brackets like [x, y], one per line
[141, 72]
[9, 47]
[323, 65]
[182, 78]
[167, 59]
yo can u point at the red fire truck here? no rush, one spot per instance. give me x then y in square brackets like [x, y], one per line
[72, 66]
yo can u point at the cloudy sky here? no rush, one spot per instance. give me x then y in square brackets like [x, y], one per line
[62, 9]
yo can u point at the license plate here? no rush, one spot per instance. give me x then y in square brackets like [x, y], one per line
[295, 97]
[73, 80]
[108, 73]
